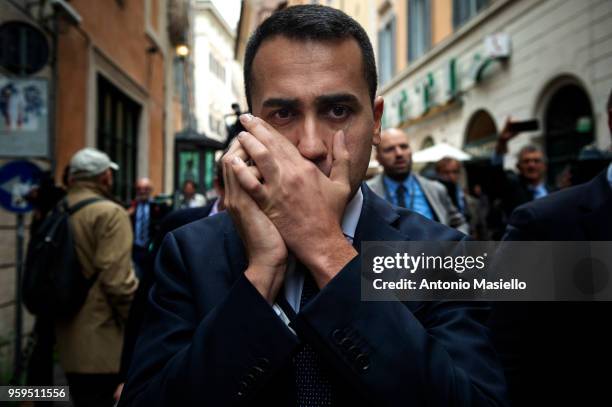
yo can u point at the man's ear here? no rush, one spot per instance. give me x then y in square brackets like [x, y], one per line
[379, 106]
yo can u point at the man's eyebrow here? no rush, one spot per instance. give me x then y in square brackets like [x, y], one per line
[281, 102]
[337, 98]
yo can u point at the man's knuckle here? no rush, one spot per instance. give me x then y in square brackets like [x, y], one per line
[260, 154]
[273, 167]
[294, 182]
[255, 188]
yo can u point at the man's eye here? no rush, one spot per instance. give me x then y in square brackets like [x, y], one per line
[282, 114]
[339, 112]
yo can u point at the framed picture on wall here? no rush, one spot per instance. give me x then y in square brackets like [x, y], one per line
[24, 127]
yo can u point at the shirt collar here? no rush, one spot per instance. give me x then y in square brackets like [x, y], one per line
[392, 184]
[351, 215]
[215, 208]
[537, 187]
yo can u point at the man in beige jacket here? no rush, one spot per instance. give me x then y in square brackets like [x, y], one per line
[89, 344]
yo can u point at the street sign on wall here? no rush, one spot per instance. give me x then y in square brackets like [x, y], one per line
[17, 178]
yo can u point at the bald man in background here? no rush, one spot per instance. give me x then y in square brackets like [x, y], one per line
[401, 187]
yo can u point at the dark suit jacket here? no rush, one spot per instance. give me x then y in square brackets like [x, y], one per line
[558, 352]
[579, 213]
[178, 218]
[507, 191]
[211, 339]
[172, 221]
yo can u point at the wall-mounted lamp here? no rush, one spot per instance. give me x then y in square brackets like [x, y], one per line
[182, 50]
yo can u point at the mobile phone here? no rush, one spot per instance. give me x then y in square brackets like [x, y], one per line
[526, 125]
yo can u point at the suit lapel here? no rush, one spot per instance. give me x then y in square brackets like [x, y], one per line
[378, 186]
[236, 254]
[434, 202]
[376, 220]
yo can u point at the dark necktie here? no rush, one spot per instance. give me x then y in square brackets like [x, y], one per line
[313, 388]
[400, 195]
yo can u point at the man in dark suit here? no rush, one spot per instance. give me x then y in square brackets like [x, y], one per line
[261, 306]
[554, 353]
[509, 189]
[146, 215]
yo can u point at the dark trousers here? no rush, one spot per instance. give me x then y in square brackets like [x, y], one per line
[40, 364]
[140, 255]
[92, 390]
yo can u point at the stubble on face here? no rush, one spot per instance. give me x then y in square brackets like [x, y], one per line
[394, 154]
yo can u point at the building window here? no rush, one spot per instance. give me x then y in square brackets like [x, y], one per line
[216, 67]
[117, 129]
[464, 10]
[419, 28]
[386, 52]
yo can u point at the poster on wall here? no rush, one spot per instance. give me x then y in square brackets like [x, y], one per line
[24, 117]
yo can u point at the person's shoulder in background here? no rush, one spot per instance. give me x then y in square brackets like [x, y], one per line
[560, 215]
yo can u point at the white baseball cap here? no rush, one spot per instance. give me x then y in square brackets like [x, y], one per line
[90, 162]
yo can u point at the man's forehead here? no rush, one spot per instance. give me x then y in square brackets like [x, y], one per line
[307, 69]
[306, 50]
[535, 153]
[393, 137]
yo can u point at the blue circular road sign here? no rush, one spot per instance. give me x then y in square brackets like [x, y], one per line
[17, 178]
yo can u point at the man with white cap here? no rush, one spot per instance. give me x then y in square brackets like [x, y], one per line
[89, 344]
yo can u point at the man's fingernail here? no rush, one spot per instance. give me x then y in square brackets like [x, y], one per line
[236, 160]
[245, 118]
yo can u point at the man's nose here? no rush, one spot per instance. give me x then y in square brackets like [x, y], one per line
[311, 141]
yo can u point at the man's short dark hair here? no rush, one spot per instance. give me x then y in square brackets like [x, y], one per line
[315, 23]
[610, 101]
